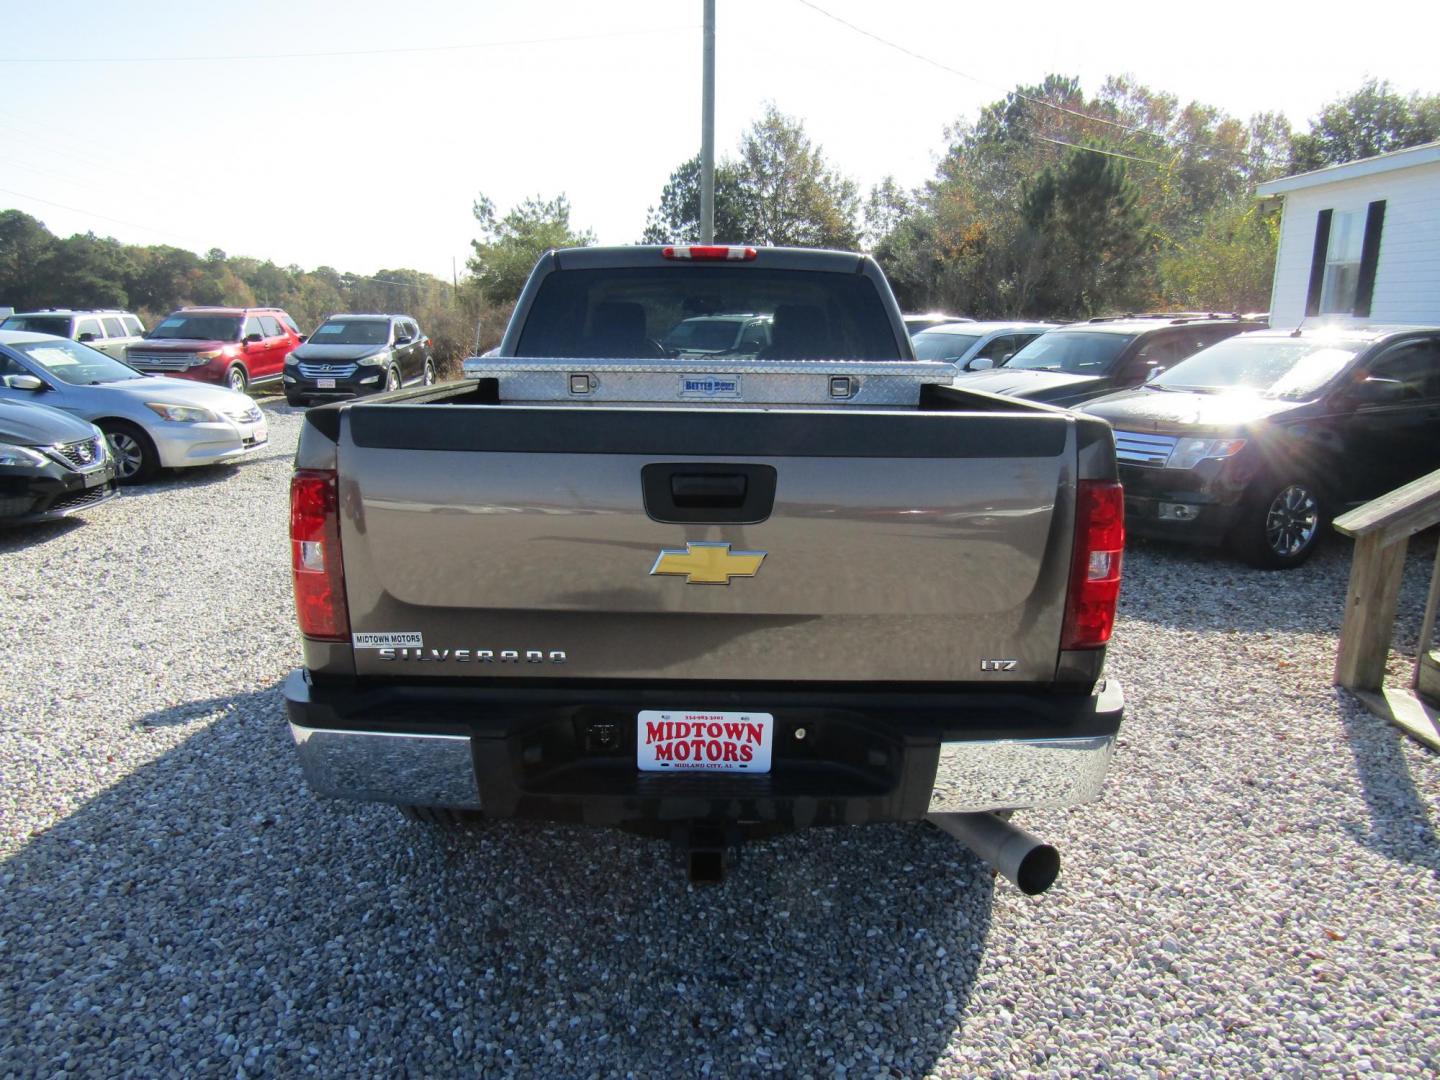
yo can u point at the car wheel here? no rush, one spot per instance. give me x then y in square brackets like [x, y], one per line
[1282, 523]
[392, 379]
[443, 816]
[294, 401]
[136, 459]
[235, 379]
[429, 372]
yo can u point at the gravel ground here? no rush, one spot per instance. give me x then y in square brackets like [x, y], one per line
[1255, 895]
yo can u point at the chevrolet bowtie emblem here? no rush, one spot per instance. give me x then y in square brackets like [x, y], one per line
[708, 564]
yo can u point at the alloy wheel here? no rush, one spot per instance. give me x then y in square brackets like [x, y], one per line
[1292, 521]
[129, 455]
[236, 380]
[392, 380]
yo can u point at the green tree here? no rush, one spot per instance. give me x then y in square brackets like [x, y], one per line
[677, 219]
[161, 278]
[510, 246]
[1082, 239]
[887, 206]
[779, 191]
[25, 246]
[1228, 265]
[967, 243]
[1371, 120]
[86, 270]
[789, 194]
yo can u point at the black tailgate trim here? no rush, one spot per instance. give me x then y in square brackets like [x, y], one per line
[727, 432]
[497, 708]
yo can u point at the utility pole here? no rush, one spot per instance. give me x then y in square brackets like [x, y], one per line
[707, 132]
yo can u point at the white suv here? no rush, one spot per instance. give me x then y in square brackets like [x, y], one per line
[107, 329]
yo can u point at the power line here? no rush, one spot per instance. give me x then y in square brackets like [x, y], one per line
[93, 60]
[965, 74]
[1107, 153]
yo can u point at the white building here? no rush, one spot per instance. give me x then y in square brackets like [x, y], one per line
[1360, 242]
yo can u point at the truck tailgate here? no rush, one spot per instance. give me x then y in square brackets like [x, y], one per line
[490, 541]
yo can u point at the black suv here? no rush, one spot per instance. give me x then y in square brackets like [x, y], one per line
[353, 355]
[1259, 439]
[1075, 363]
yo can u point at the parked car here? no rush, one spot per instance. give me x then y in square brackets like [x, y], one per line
[52, 464]
[110, 330]
[976, 346]
[1075, 363]
[914, 323]
[718, 335]
[150, 421]
[352, 355]
[1258, 440]
[235, 347]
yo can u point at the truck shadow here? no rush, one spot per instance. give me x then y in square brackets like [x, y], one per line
[207, 901]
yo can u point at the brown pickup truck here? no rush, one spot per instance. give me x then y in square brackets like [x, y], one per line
[802, 580]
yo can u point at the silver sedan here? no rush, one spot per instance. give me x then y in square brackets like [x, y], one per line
[152, 422]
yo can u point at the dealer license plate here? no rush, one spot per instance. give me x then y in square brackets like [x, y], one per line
[704, 741]
[325, 384]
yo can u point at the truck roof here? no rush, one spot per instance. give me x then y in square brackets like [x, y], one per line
[647, 255]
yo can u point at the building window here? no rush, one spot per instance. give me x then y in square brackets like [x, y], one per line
[1342, 262]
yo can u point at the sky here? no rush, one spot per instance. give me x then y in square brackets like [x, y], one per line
[357, 135]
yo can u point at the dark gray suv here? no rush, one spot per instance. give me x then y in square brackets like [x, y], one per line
[354, 355]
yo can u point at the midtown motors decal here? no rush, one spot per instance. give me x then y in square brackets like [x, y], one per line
[716, 742]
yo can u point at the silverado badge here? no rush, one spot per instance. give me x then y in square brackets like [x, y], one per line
[708, 564]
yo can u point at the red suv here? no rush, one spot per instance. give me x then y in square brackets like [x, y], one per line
[237, 347]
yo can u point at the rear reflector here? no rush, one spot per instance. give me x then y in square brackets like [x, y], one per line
[1095, 571]
[710, 253]
[315, 555]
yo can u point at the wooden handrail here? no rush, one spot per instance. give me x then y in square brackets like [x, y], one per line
[1396, 514]
[1382, 529]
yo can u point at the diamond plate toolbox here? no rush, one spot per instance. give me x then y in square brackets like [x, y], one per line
[524, 380]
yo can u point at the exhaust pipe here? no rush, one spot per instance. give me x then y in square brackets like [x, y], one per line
[1030, 864]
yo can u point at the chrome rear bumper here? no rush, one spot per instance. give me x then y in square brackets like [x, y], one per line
[439, 770]
[415, 770]
[1001, 774]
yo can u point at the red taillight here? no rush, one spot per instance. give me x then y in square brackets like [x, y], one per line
[1095, 572]
[710, 253]
[315, 555]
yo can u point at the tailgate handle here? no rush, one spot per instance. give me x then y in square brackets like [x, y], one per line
[719, 490]
[702, 493]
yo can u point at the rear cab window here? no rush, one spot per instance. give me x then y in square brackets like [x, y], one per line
[59, 325]
[1076, 352]
[642, 313]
